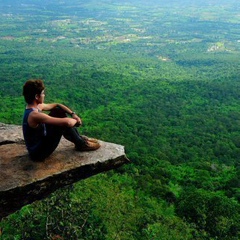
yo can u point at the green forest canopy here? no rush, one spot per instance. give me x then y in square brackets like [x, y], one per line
[162, 79]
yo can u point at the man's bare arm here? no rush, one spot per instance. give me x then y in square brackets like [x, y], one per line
[36, 118]
[50, 106]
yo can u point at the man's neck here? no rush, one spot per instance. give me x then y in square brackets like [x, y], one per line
[32, 105]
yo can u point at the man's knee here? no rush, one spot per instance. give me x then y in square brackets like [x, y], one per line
[58, 113]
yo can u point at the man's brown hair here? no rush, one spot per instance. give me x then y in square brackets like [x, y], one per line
[31, 88]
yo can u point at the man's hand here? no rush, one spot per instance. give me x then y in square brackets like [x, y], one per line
[78, 119]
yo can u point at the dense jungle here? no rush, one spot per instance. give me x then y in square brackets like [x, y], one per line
[161, 78]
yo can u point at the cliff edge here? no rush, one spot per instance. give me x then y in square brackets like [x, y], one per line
[23, 181]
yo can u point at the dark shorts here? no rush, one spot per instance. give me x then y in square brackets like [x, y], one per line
[49, 142]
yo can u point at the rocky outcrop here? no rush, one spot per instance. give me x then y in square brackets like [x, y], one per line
[23, 181]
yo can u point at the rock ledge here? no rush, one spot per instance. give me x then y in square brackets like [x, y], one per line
[23, 181]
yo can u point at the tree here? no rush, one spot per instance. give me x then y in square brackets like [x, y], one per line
[212, 214]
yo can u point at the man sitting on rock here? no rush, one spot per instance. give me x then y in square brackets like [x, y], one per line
[42, 132]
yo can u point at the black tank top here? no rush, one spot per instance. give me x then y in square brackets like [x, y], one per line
[33, 136]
